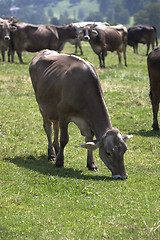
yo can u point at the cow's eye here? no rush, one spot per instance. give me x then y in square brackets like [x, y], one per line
[108, 154]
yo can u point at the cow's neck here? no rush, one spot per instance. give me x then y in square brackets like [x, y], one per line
[62, 35]
[101, 121]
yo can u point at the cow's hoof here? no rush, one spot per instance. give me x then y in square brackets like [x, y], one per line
[93, 169]
[155, 127]
[59, 165]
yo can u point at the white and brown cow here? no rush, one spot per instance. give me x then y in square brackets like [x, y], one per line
[153, 62]
[79, 26]
[5, 37]
[103, 39]
[67, 89]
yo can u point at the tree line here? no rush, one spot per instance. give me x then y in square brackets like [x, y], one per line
[112, 11]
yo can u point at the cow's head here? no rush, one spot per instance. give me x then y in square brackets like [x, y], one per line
[72, 31]
[5, 29]
[89, 32]
[111, 150]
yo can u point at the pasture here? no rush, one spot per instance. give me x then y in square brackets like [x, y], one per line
[39, 201]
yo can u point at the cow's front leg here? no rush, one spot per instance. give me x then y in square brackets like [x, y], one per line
[64, 138]
[48, 129]
[119, 57]
[148, 47]
[101, 57]
[100, 60]
[91, 164]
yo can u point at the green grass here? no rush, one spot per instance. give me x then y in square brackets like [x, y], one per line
[39, 201]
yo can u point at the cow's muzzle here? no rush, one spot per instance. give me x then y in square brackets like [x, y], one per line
[6, 38]
[116, 177]
[86, 38]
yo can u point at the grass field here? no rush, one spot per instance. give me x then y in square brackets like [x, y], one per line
[39, 201]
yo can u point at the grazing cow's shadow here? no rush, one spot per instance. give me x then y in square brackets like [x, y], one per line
[150, 133]
[42, 165]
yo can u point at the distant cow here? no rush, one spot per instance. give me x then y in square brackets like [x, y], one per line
[67, 89]
[33, 38]
[103, 39]
[5, 37]
[79, 26]
[153, 62]
[145, 34]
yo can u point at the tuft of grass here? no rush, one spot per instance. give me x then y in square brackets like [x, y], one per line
[39, 201]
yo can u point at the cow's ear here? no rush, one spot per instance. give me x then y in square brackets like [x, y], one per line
[13, 28]
[70, 25]
[91, 145]
[126, 137]
[94, 33]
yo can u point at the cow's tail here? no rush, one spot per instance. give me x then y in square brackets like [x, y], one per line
[156, 39]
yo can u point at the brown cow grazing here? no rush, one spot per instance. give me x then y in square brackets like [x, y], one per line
[145, 34]
[5, 32]
[33, 38]
[103, 39]
[153, 62]
[67, 89]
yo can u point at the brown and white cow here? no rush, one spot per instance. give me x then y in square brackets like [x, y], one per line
[67, 89]
[153, 62]
[145, 34]
[33, 38]
[79, 26]
[5, 37]
[103, 39]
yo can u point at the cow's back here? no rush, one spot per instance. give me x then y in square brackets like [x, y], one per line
[33, 38]
[142, 34]
[113, 39]
[60, 82]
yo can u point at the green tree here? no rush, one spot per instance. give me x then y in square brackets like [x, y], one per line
[134, 6]
[5, 8]
[104, 5]
[95, 17]
[141, 17]
[122, 14]
[153, 11]
[149, 16]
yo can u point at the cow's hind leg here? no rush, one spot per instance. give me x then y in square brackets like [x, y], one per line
[91, 164]
[48, 129]
[56, 133]
[155, 108]
[19, 53]
[124, 56]
[64, 138]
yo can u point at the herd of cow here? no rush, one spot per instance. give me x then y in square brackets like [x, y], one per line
[60, 82]
[16, 36]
